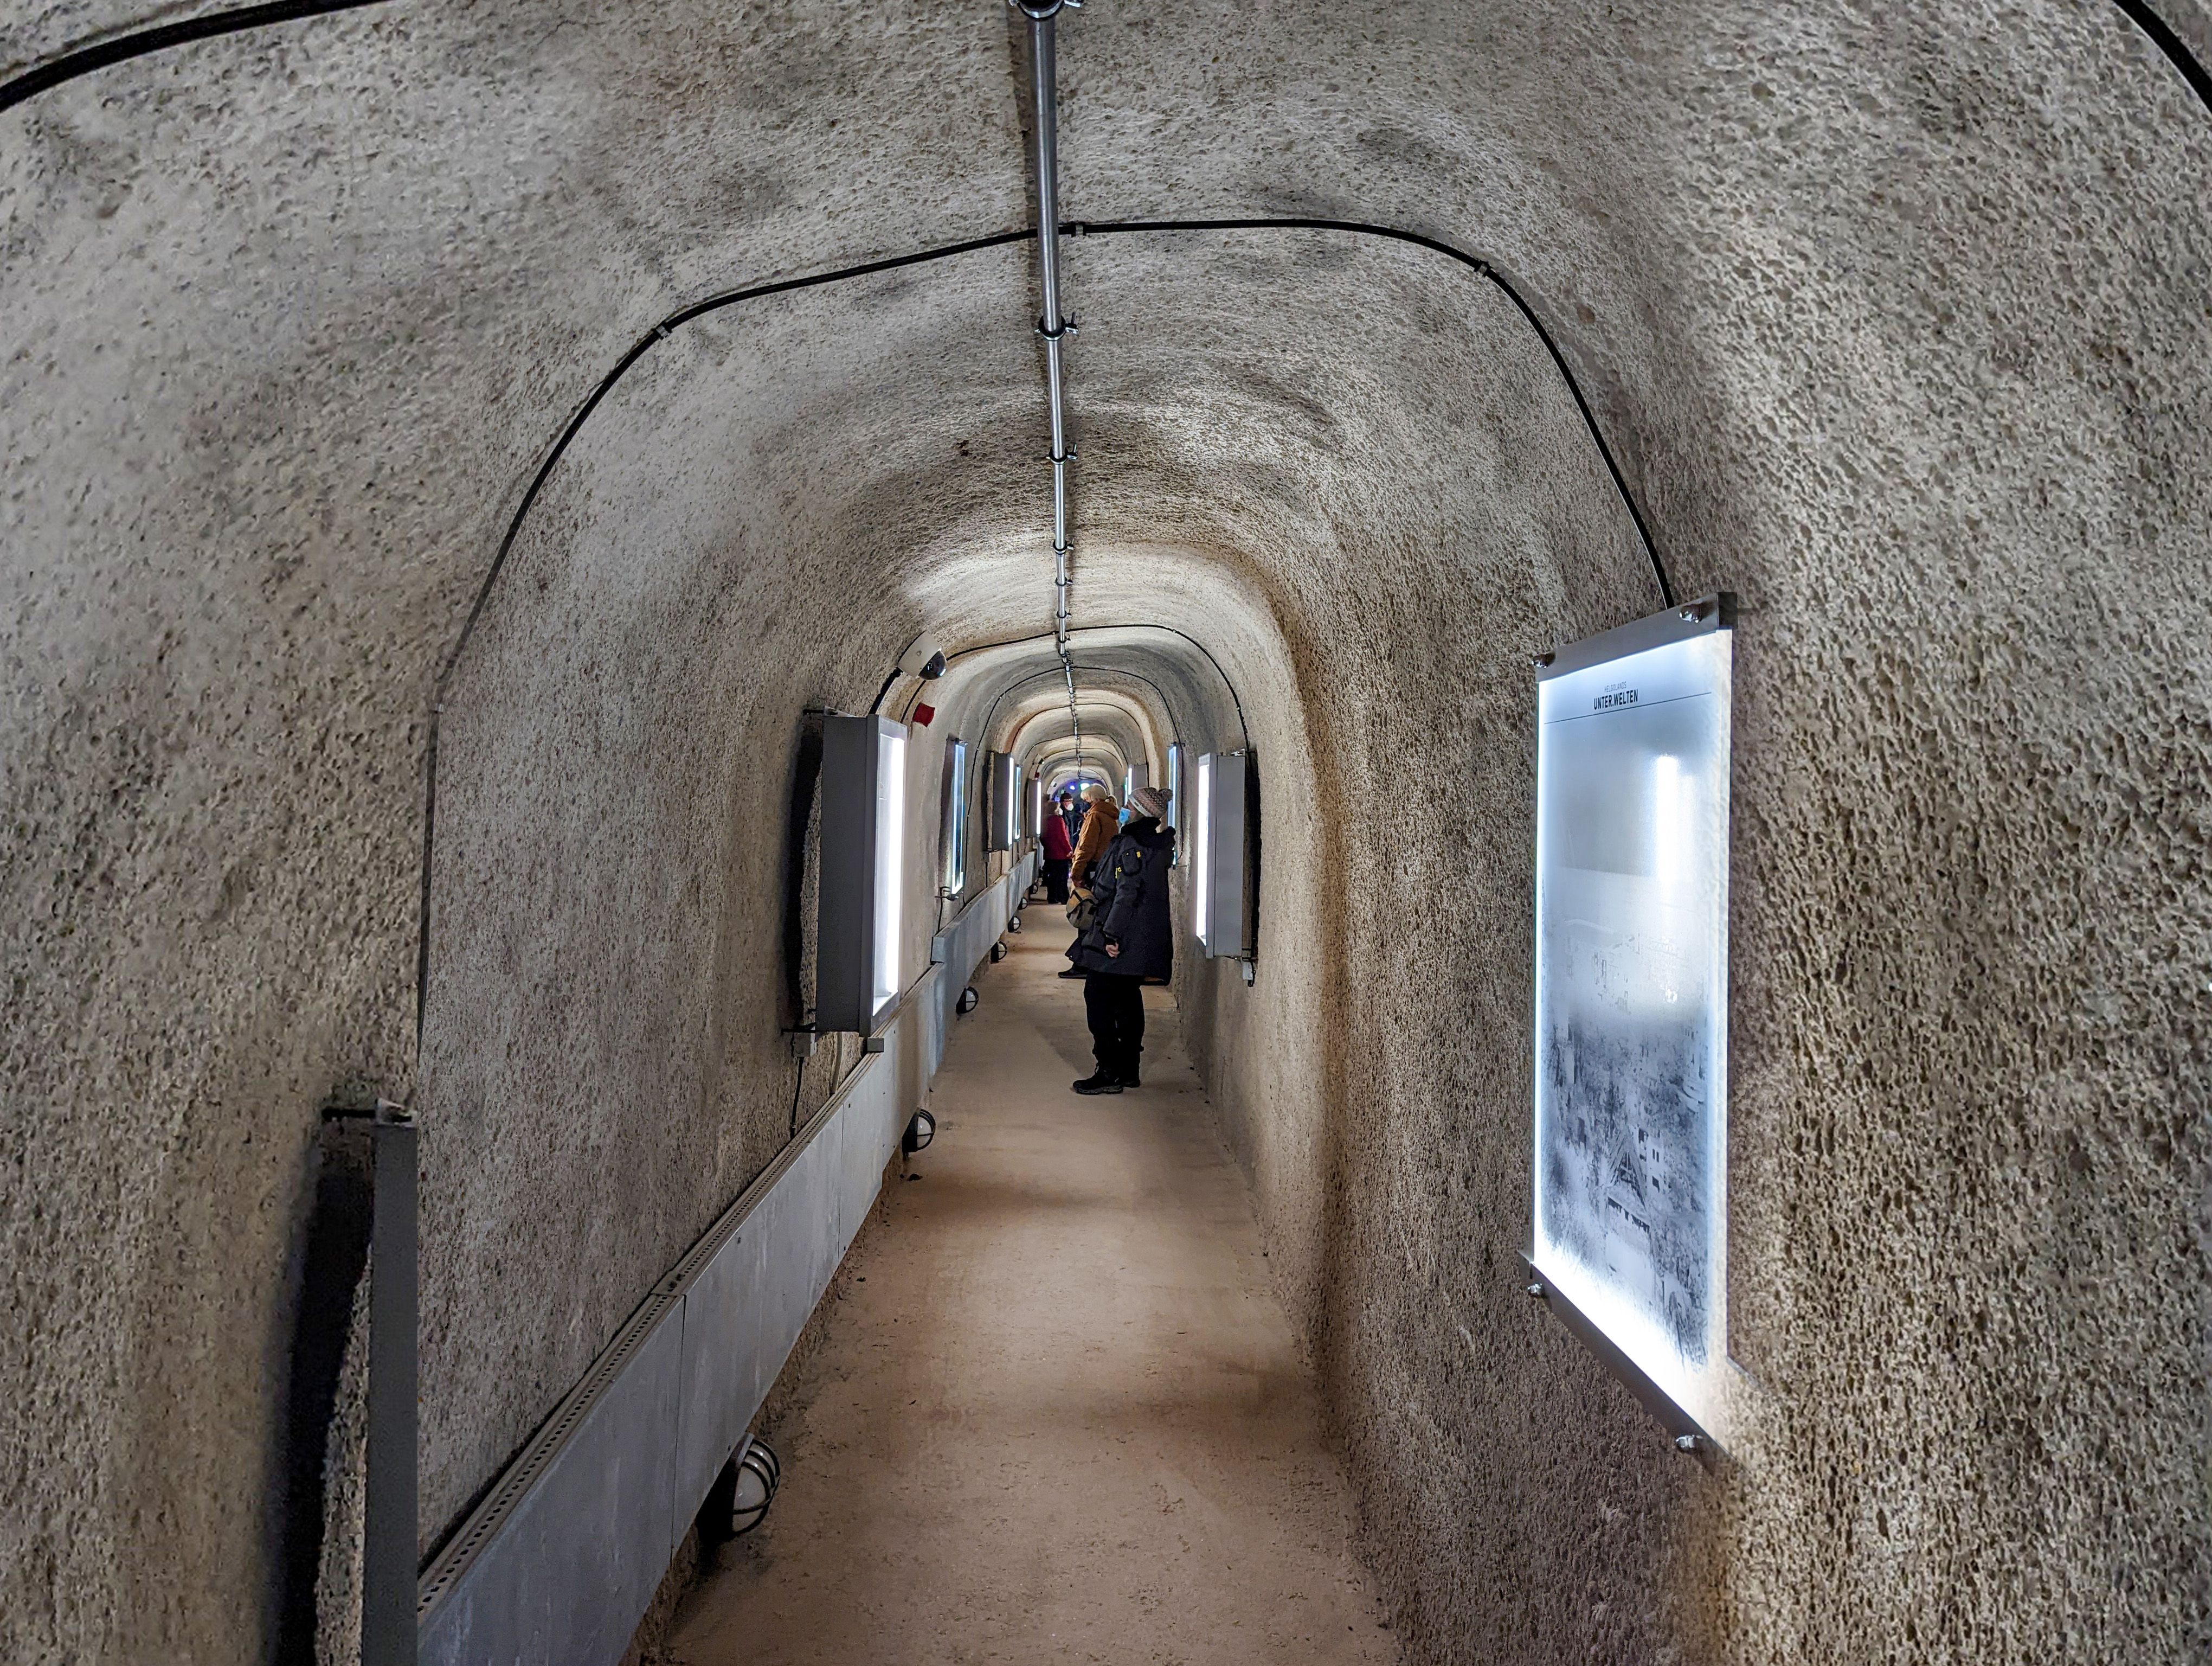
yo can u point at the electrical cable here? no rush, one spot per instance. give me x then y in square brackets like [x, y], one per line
[1102, 671]
[644, 344]
[1481, 268]
[85, 60]
[2175, 48]
[103, 54]
[99, 55]
[1020, 641]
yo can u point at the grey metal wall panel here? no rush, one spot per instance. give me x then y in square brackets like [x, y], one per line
[559, 1564]
[874, 1138]
[723, 1334]
[846, 995]
[583, 1550]
[1229, 871]
[845, 869]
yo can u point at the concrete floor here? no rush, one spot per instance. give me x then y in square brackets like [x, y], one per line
[1060, 1415]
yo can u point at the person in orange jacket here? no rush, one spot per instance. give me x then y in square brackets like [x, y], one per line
[1100, 822]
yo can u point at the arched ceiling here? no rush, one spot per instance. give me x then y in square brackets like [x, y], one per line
[1891, 314]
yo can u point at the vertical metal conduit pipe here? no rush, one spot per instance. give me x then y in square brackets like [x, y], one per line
[1053, 324]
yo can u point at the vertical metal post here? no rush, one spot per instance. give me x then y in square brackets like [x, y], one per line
[1052, 323]
[387, 1621]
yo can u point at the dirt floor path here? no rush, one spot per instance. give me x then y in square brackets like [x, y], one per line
[1058, 1415]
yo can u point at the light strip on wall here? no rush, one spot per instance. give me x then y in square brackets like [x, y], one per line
[955, 820]
[1202, 869]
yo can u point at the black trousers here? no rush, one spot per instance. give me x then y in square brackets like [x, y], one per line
[1055, 880]
[1116, 1007]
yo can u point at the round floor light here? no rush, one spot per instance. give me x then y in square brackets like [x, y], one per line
[920, 1132]
[758, 1476]
[968, 998]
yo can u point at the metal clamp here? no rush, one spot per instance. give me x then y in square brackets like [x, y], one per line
[1068, 327]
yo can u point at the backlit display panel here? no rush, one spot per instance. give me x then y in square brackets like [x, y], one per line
[1631, 1000]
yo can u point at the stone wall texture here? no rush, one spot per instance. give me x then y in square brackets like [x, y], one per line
[1899, 321]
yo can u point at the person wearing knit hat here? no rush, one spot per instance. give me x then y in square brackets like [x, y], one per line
[1129, 941]
[1151, 801]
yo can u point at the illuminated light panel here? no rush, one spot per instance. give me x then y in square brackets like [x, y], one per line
[956, 817]
[1631, 1182]
[1201, 871]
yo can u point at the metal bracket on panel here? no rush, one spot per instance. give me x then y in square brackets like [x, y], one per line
[872, 1044]
[1701, 617]
[1685, 1430]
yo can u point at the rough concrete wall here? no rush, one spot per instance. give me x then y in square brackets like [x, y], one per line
[291, 316]
[1900, 321]
[603, 1065]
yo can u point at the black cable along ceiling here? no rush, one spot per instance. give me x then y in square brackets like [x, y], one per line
[75, 61]
[83, 60]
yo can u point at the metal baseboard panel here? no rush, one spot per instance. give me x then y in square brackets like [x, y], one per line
[960, 948]
[559, 1562]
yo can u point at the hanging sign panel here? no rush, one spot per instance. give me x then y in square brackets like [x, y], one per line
[1632, 992]
[863, 840]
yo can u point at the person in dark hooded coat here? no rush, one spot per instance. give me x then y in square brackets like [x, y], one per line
[1130, 940]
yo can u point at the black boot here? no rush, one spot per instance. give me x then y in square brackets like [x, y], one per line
[1100, 1081]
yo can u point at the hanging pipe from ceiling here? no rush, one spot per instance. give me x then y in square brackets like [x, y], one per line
[1052, 323]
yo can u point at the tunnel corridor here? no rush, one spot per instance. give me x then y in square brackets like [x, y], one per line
[553, 562]
[1059, 1413]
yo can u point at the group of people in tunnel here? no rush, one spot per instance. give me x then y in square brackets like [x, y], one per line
[1113, 877]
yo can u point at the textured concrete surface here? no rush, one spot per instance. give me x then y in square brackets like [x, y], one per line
[1899, 322]
[1059, 1414]
[290, 318]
